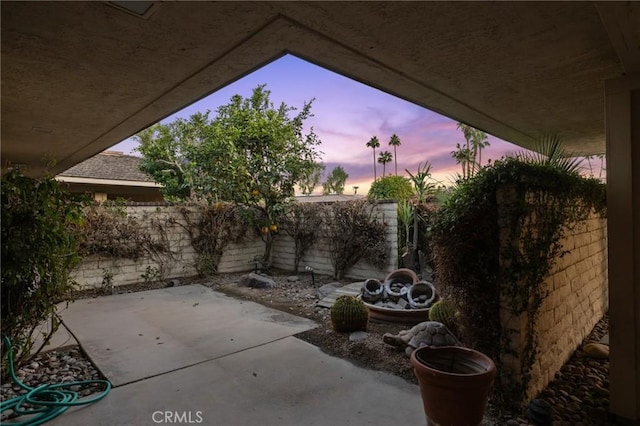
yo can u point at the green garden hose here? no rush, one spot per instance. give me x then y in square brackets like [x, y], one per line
[46, 402]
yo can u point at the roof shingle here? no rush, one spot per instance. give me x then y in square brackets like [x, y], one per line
[109, 166]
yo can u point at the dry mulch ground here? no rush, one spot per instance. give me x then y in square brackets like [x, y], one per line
[300, 298]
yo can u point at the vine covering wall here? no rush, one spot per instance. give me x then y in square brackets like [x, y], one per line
[168, 243]
[318, 256]
[576, 299]
[495, 242]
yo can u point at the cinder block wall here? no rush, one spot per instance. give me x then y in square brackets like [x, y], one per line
[178, 262]
[240, 257]
[577, 299]
[236, 257]
[318, 256]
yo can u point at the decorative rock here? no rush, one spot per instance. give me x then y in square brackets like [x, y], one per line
[596, 350]
[392, 305]
[47, 369]
[540, 413]
[293, 279]
[358, 335]
[605, 339]
[326, 290]
[257, 281]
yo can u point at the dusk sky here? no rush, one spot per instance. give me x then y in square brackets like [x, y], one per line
[346, 115]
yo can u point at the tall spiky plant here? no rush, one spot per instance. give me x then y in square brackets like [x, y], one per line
[549, 151]
[424, 187]
[405, 218]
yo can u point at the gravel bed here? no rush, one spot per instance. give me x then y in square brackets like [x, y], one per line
[62, 365]
[579, 393]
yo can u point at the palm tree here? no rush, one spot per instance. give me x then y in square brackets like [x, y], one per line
[479, 141]
[462, 155]
[374, 143]
[470, 156]
[395, 142]
[384, 158]
[467, 131]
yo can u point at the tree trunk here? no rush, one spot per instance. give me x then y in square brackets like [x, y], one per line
[374, 164]
[395, 159]
[413, 247]
[266, 258]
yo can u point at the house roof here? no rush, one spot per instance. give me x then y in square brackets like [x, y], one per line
[327, 198]
[109, 165]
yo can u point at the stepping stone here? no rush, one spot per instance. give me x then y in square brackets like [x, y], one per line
[358, 335]
[596, 350]
[327, 289]
[352, 289]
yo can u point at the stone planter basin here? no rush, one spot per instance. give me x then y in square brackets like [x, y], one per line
[402, 316]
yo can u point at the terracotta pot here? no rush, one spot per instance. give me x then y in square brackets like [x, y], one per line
[402, 275]
[454, 383]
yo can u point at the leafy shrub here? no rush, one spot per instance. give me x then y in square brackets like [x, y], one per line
[303, 222]
[354, 233]
[397, 188]
[40, 234]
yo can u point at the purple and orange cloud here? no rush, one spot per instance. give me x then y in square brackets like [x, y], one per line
[346, 115]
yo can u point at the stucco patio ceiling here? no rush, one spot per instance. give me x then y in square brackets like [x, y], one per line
[78, 77]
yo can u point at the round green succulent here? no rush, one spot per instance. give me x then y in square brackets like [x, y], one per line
[349, 313]
[445, 312]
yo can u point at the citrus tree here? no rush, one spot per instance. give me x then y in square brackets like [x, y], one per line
[251, 153]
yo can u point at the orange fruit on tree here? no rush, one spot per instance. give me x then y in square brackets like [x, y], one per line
[273, 228]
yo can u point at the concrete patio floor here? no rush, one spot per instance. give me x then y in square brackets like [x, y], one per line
[197, 356]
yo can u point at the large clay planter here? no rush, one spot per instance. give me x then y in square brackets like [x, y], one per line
[454, 383]
[403, 276]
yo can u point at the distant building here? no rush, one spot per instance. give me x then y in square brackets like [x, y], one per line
[111, 175]
[332, 198]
